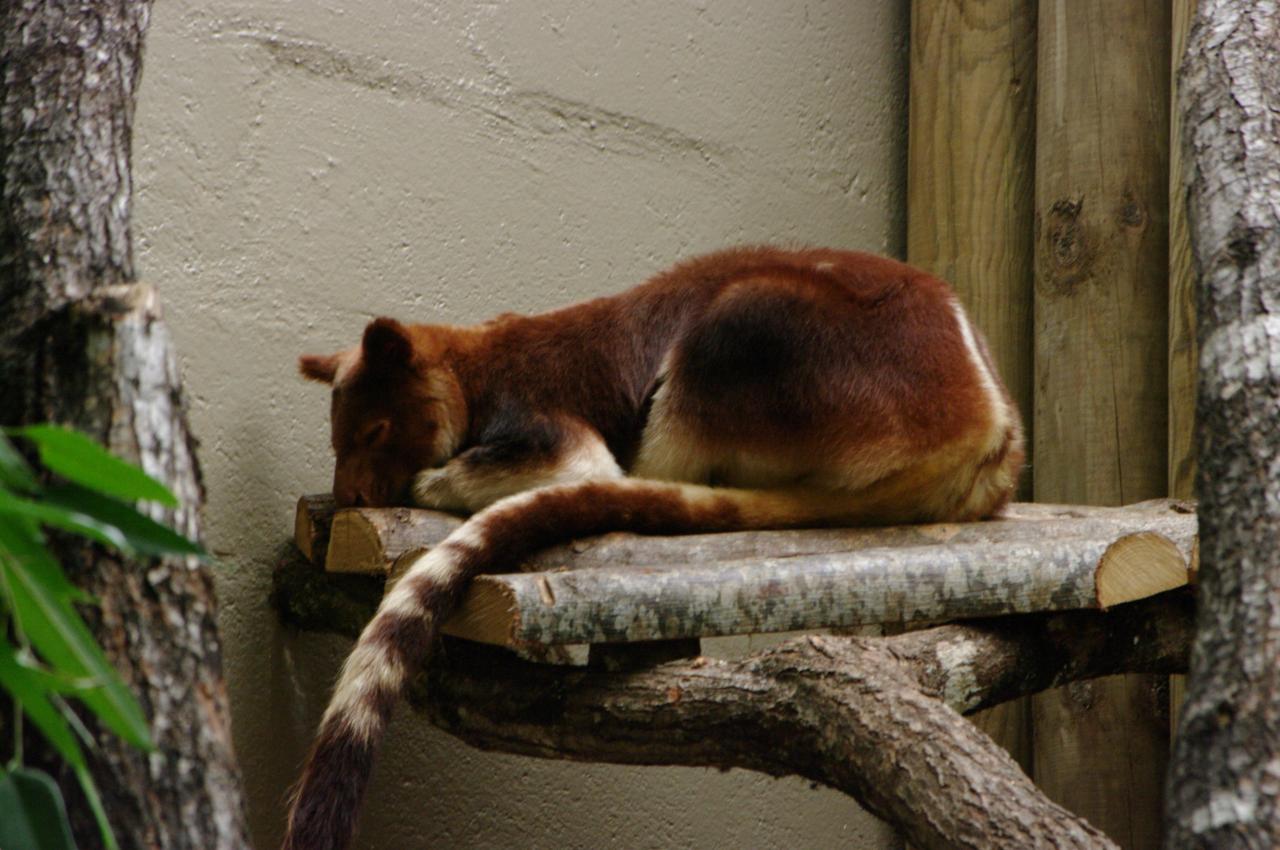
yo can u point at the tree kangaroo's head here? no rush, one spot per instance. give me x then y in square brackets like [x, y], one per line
[396, 410]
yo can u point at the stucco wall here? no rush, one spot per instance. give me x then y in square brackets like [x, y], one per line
[303, 166]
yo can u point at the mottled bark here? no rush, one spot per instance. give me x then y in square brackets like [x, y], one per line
[874, 717]
[373, 539]
[1224, 786]
[806, 592]
[627, 588]
[82, 344]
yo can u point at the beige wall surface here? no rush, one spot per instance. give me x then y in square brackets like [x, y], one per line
[303, 166]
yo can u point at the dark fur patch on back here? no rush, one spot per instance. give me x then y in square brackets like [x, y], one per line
[800, 356]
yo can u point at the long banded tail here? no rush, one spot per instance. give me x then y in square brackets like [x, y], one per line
[398, 640]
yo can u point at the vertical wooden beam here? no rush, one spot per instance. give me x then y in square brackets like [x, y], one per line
[970, 199]
[971, 168]
[1101, 391]
[1183, 351]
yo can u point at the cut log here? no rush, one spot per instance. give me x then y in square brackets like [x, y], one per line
[311, 524]
[627, 588]
[1140, 565]
[372, 539]
[806, 592]
[369, 540]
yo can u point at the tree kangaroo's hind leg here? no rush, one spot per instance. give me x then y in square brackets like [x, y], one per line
[776, 391]
[527, 452]
[808, 482]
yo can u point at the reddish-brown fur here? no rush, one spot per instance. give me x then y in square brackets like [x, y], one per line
[842, 329]
[812, 386]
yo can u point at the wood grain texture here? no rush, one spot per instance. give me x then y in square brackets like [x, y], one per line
[1101, 329]
[1139, 565]
[970, 201]
[971, 168]
[1184, 353]
[311, 521]
[367, 540]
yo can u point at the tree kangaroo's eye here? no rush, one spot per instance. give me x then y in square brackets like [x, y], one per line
[374, 433]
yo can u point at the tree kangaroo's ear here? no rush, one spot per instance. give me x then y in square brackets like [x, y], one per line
[318, 367]
[387, 344]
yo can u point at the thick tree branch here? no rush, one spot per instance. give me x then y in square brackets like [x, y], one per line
[874, 717]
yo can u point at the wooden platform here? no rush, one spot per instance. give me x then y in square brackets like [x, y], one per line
[626, 588]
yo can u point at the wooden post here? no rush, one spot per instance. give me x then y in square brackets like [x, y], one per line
[1101, 326]
[971, 168]
[970, 199]
[1183, 351]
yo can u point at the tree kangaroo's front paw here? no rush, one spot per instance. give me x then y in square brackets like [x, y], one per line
[433, 488]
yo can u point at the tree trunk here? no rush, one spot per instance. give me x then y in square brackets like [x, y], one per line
[1224, 787]
[82, 344]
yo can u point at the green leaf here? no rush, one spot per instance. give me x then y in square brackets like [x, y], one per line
[22, 539]
[31, 692]
[109, 521]
[65, 644]
[14, 472]
[58, 516]
[77, 458]
[141, 534]
[32, 814]
[95, 805]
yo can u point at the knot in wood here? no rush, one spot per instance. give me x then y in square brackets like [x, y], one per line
[1066, 252]
[1081, 695]
[1132, 214]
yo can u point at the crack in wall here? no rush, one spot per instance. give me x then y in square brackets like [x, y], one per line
[528, 113]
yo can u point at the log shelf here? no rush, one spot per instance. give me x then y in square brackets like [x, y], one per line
[622, 588]
[877, 718]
